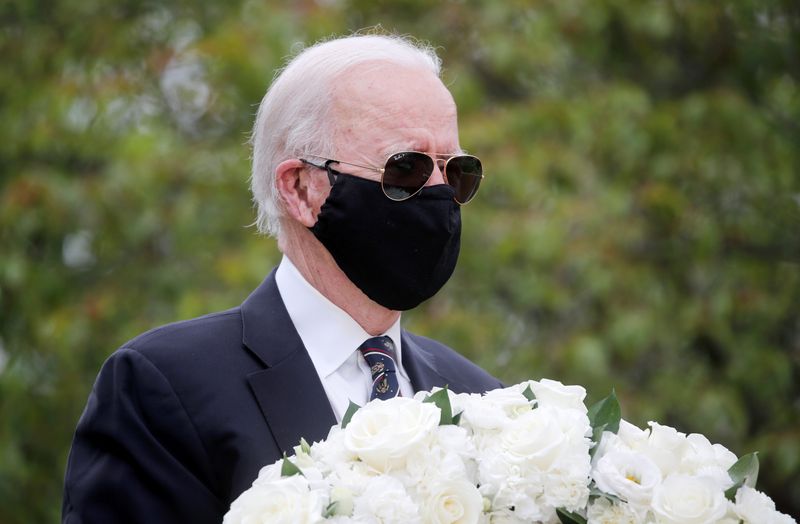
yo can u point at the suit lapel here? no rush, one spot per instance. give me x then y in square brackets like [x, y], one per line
[419, 363]
[289, 392]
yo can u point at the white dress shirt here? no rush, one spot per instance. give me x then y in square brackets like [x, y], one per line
[332, 338]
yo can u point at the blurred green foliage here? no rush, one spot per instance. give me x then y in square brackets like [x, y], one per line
[639, 226]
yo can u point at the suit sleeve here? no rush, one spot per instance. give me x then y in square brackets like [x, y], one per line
[136, 456]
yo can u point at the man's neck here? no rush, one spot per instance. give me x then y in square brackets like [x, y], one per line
[319, 269]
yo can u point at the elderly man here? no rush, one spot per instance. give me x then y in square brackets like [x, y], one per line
[357, 171]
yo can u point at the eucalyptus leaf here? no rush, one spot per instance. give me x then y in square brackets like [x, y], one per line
[567, 517]
[597, 436]
[528, 393]
[743, 473]
[351, 410]
[595, 492]
[442, 400]
[330, 511]
[288, 468]
[606, 412]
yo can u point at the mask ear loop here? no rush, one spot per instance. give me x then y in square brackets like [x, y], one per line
[332, 173]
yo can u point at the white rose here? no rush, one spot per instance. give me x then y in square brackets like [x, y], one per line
[627, 438]
[536, 437]
[269, 473]
[383, 433]
[632, 436]
[666, 447]
[575, 425]
[704, 459]
[684, 499]
[628, 475]
[385, 501]
[754, 507]
[287, 500]
[452, 501]
[510, 400]
[554, 393]
[603, 511]
[480, 414]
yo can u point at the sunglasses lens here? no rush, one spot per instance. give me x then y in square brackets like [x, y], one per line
[405, 173]
[464, 174]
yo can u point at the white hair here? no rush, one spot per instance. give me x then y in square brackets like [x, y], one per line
[293, 118]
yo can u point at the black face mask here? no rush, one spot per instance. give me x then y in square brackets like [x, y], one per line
[398, 253]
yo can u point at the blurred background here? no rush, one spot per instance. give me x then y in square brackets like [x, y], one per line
[638, 228]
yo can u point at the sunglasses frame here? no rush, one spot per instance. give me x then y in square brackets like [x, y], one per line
[436, 158]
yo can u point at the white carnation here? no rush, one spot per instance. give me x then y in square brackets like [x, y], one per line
[385, 501]
[603, 511]
[567, 485]
[536, 463]
[449, 455]
[754, 507]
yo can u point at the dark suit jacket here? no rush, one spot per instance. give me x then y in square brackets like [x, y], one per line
[182, 418]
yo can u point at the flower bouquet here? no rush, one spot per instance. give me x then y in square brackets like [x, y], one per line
[529, 453]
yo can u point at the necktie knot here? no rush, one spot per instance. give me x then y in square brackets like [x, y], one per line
[379, 353]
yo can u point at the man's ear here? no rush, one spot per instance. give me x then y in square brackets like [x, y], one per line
[298, 191]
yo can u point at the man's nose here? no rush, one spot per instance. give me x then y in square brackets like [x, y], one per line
[437, 176]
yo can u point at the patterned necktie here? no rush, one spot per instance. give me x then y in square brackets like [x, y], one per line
[379, 354]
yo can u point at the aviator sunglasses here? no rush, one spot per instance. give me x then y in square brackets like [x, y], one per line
[407, 172]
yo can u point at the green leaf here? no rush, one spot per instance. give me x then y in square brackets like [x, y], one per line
[597, 435]
[288, 468]
[442, 401]
[330, 511]
[304, 446]
[567, 517]
[743, 473]
[594, 492]
[528, 393]
[457, 419]
[351, 410]
[606, 413]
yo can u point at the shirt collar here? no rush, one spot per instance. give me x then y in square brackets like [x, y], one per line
[329, 334]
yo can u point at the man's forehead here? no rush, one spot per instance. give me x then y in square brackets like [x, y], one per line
[390, 92]
[401, 108]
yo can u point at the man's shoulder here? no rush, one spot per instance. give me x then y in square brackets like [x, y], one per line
[189, 341]
[188, 332]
